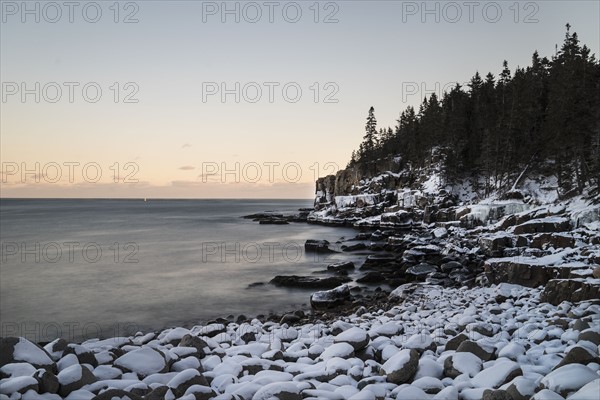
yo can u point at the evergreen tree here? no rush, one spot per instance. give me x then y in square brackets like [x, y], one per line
[370, 138]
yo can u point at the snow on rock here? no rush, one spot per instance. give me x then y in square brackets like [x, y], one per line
[20, 384]
[591, 391]
[432, 342]
[74, 378]
[14, 350]
[501, 372]
[569, 378]
[402, 366]
[279, 390]
[143, 361]
[355, 337]
[462, 363]
[341, 350]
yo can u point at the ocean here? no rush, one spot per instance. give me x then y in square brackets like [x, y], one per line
[83, 268]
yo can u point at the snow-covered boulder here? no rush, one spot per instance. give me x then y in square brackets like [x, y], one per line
[356, 337]
[19, 349]
[569, 378]
[144, 361]
[401, 367]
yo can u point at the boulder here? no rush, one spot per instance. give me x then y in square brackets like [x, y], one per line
[47, 381]
[421, 270]
[318, 246]
[401, 219]
[453, 343]
[19, 349]
[493, 246]
[568, 378]
[278, 390]
[555, 240]
[462, 363]
[74, 378]
[309, 282]
[503, 371]
[144, 361]
[578, 355]
[19, 384]
[330, 298]
[522, 271]
[401, 367]
[472, 347]
[341, 266]
[111, 394]
[195, 342]
[541, 225]
[184, 380]
[574, 290]
[356, 337]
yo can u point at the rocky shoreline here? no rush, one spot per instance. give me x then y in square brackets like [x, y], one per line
[496, 342]
[502, 308]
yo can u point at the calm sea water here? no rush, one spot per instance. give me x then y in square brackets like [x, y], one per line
[79, 269]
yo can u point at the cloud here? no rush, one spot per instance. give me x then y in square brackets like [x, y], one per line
[187, 168]
[186, 145]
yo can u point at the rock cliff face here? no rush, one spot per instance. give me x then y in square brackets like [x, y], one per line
[351, 181]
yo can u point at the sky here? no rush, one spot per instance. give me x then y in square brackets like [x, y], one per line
[201, 99]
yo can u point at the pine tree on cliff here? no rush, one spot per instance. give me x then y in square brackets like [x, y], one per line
[370, 138]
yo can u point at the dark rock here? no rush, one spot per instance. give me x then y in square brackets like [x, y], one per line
[318, 246]
[248, 337]
[573, 290]
[341, 266]
[56, 348]
[290, 319]
[554, 240]
[309, 282]
[272, 221]
[195, 342]
[590, 335]
[375, 261]
[118, 393]
[493, 246]
[497, 394]
[158, 393]
[472, 347]
[189, 378]
[86, 378]
[47, 381]
[406, 373]
[400, 219]
[580, 325]
[543, 225]
[450, 266]
[522, 273]
[84, 355]
[354, 247]
[577, 355]
[371, 277]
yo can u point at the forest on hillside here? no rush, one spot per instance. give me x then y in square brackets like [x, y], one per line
[545, 116]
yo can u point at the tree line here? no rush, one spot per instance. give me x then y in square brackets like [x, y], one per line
[543, 117]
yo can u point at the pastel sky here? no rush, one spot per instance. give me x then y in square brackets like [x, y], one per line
[142, 103]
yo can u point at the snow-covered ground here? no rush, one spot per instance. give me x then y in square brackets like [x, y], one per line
[434, 343]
